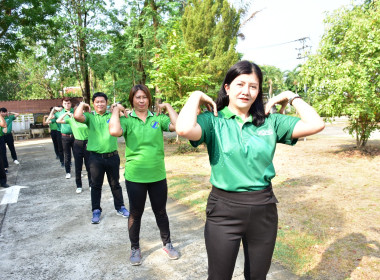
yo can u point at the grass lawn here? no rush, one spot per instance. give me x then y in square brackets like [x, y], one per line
[329, 218]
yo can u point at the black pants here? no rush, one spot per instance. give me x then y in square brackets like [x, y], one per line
[8, 137]
[60, 147]
[80, 153]
[3, 153]
[227, 224]
[3, 176]
[158, 192]
[109, 166]
[54, 138]
[67, 144]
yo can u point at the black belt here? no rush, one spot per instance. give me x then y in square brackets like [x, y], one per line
[106, 155]
[68, 135]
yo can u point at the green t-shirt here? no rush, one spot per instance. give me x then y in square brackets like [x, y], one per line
[1, 131]
[53, 125]
[9, 120]
[63, 127]
[99, 138]
[144, 151]
[80, 130]
[241, 154]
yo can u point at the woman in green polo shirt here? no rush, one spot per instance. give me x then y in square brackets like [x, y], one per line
[241, 138]
[145, 166]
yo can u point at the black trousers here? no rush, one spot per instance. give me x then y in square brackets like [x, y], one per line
[3, 175]
[227, 224]
[67, 144]
[99, 166]
[8, 137]
[158, 192]
[60, 147]
[3, 153]
[54, 138]
[81, 154]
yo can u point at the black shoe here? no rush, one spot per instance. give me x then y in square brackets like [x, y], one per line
[5, 185]
[6, 170]
[62, 164]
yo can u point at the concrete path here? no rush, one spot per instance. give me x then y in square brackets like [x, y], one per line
[47, 233]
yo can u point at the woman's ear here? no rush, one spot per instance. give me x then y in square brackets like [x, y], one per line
[227, 88]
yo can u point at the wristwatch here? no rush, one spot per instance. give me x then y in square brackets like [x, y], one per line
[294, 97]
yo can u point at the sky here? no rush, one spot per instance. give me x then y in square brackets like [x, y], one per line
[282, 21]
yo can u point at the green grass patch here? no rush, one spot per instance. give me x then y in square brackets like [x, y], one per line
[295, 249]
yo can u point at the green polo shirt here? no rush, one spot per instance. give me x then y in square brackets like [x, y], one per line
[99, 138]
[63, 127]
[9, 120]
[240, 153]
[144, 151]
[53, 125]
[80, 130]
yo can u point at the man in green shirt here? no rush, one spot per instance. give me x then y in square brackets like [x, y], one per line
[54, 137]
[80, 132]
[104, 158]
[8, 137]
[66, 133]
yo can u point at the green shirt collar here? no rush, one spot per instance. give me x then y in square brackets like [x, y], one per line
[227, 114]
[133, 114]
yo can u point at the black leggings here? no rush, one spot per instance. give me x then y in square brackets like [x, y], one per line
[228, 223]
[158, 192]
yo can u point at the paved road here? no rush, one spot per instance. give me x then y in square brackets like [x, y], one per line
[47, 234]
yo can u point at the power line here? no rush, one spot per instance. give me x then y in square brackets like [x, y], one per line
[280, 44]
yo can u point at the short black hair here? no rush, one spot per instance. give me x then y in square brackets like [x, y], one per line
[99, 94]
[3, 109]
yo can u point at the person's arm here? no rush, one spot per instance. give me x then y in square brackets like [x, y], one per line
[3, 123]
[114, 125]
[186, 124]
[310, 122]
[62, 116]
[172, 114]
[78, 113]
[14, 114]
[51, 115]
[45, 121]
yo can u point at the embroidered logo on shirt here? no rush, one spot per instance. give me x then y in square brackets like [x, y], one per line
[265, 132]
[154, 124]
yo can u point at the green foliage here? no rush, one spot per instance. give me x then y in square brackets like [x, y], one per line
[344, 76]
[211, 27]
[273, 80]
[176, 72]
[22, 22]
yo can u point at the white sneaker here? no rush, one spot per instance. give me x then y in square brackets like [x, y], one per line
[68, 176]
[79, 190]
[16, 161]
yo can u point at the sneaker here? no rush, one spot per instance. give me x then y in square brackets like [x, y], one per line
[123, 212]
[68, 175]
[5, 185]
[96, 216]
[135, 258]
[170, 251]
[16, 161]
[79, 190]
[6, 170]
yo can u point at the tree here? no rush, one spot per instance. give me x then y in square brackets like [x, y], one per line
[272, 80]
[293, 80]
[22, 22]
[211, 27]
[344, 75]
[176, 72]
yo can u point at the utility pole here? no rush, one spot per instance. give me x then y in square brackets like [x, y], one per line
[302, 54]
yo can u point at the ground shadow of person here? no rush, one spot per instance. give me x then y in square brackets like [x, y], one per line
[351, 249]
